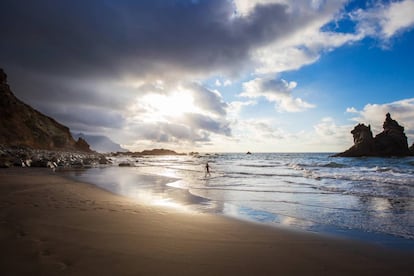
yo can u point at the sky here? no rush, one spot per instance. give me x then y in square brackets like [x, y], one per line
[214, 76]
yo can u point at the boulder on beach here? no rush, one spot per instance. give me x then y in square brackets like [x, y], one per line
[392, 141]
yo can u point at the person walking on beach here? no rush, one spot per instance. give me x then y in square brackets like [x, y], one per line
[207, 170]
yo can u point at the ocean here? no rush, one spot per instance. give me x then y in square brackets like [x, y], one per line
[363, 198]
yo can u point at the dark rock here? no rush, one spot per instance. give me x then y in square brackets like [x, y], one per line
[5, 162]
[104, 161]
[82, 145]
[88, 162]
[41, 163]
[363, 142]
[17, 162]
[77, 163]
[392, 141]
[3, 77]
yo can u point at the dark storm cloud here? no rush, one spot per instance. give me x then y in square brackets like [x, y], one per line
[85, 117]
[64, 52]
[107, 37]
[39, 89]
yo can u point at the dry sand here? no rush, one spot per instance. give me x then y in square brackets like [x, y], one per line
[50, 225]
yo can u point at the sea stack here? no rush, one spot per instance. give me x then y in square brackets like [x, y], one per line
[392, 141]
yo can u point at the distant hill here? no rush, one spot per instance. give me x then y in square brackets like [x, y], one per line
[150, 152]
[159, 152]
[23, 126]
[100, 143]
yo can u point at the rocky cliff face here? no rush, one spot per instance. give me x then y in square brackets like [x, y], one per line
[392, 141]
[23, 126]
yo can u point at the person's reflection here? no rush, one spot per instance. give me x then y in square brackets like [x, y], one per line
[398, 205]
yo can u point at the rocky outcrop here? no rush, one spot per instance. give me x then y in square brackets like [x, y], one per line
[82, 145]
[21, 126]
[100, 143]
[392, 141]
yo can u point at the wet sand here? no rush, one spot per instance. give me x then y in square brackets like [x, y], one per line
[50, 225]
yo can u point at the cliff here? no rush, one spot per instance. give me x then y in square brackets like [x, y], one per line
[24, 127]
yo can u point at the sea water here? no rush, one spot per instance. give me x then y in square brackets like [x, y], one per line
[365, 197]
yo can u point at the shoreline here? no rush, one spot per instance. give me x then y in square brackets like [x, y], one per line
[175, 196]
[51, 224]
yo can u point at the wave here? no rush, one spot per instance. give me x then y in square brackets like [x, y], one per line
[256, 190]
[249, 174]
[370, 178]
[260, 165]
[334, 165]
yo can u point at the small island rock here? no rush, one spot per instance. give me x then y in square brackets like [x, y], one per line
[392, 141]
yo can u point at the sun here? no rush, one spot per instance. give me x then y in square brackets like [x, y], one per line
[165, 107]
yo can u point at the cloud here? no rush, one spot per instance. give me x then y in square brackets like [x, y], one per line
[267, 135]
[258, 135]
[327, 129]
[179, 113]
[86, 118]
[305, 45]
[202, 122]
[208, 100]
[97, 38]
[188, 129]
[98, 62]
[222, 83]
[245, 7]
[162, 133]
[112, 39]
[385, 20]
[278, 91]
[96, 54]
[402, 111]
[235, 107]
[351, 110]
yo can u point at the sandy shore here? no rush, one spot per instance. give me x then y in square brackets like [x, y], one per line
[50, 225]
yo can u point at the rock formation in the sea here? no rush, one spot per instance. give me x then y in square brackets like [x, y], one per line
[392, 141]
[21, 126]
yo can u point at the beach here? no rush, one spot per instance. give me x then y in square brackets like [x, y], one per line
[52, 225]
